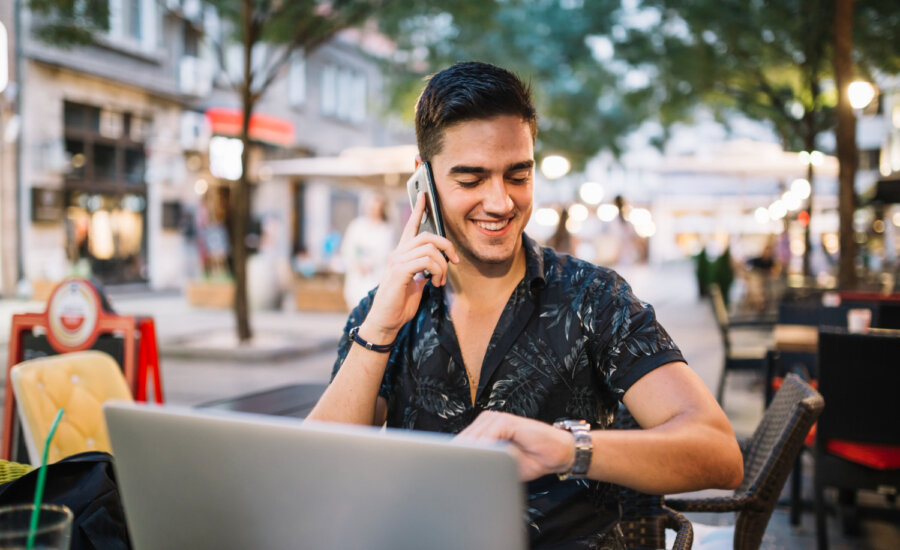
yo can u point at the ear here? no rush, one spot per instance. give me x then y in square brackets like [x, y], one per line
[418, 160]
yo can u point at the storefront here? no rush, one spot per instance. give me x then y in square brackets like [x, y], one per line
[105, 193]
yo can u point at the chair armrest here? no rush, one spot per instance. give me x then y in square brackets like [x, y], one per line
[713, 504]
[744, 444]
[684, 531]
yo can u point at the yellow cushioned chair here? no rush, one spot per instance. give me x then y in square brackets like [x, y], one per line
[79, 383]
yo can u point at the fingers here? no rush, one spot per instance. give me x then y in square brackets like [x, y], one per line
[437, 264]
[411, 229]
[489, 425]
[412, 224]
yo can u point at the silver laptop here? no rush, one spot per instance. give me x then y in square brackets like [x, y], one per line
[214, 479]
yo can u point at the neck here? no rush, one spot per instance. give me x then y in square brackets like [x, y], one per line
[481, 283]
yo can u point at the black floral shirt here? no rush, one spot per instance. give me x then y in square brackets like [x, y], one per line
[569, 343]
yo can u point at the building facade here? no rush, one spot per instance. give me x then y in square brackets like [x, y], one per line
[9, 127]
[127, 149]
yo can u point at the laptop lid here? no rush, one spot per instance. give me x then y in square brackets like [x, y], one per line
[226, 480]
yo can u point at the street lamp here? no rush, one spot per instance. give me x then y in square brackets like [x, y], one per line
[591, 192]
[861, 93]
[555, 166]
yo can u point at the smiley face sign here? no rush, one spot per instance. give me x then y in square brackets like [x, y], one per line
[72, 314]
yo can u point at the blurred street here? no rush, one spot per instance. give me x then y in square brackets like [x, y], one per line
[201, 360]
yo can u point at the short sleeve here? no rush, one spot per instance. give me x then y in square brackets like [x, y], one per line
[357, 316]
[633, 342]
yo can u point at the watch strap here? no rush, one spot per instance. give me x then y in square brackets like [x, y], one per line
[584, 447]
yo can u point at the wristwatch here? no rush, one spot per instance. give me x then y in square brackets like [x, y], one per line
[584, 446]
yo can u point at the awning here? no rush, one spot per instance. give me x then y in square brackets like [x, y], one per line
[742, 158]
[226, 121]
[370, 165]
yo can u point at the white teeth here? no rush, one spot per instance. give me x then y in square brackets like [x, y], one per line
[496, 226]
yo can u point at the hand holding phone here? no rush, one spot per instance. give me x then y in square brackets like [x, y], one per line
[422, 180]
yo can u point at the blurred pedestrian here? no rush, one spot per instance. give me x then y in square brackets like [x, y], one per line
[761, 270]
[627, 243]
[561, 240]
[366, 243]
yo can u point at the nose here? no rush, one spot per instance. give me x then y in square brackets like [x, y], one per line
[496, 199]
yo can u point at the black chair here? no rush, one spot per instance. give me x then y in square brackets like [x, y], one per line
[857, 440]
[768, 459]
[743, 341]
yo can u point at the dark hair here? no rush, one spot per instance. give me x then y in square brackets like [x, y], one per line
[469, 91]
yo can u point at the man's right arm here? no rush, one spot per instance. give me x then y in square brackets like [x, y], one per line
[352, 397]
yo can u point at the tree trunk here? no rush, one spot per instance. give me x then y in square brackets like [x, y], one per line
[809, 144]
[240, 203]
[846, 140]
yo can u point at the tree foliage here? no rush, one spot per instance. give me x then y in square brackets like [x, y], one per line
[546, 42]
[68, 23]
[286, 26]
[770, 61]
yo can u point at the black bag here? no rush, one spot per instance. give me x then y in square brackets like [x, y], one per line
[86, 483]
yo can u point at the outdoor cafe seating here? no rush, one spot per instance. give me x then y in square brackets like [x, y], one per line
[857, 441]
[769, 455]
[79, 383]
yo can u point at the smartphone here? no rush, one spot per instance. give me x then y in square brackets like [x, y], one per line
[422, 180]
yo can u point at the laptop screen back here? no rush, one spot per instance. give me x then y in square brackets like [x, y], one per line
[192, 479]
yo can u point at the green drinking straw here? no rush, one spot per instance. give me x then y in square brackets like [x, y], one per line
[42, 477]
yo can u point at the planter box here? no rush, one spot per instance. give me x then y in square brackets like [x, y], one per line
[41, 289]
[321, 292]
[212, 294]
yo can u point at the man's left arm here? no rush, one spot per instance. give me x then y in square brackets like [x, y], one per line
[686, 442]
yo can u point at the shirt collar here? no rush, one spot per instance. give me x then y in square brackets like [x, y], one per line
[534, 263]
[534, 267]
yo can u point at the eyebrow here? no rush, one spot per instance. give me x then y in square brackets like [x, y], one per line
[462, 169]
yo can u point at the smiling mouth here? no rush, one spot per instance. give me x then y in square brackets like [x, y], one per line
[493, 226]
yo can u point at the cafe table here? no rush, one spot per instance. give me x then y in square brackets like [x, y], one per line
[294, 400]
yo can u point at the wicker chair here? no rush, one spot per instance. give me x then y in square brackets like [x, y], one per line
[645, 517]
[768, 459]
[743, 344]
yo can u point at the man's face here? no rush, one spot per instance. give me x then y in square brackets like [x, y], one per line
[484, 177]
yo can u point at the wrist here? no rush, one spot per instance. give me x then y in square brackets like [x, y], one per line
[581, 447]
[377, 335]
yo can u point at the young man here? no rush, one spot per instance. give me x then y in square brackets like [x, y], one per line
[508, 337]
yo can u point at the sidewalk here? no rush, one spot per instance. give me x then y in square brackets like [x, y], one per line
[185, 331]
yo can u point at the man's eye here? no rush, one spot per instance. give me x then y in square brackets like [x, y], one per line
[519, 179]
[469, 183]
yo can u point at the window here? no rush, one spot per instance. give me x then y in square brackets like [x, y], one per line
[343, 94]
[134, 166]
[868, 159]
[191, 40]
[133, 23]
[358, 113]
[106, 191]
[297, 80]
[329, 90]
[104, 162]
